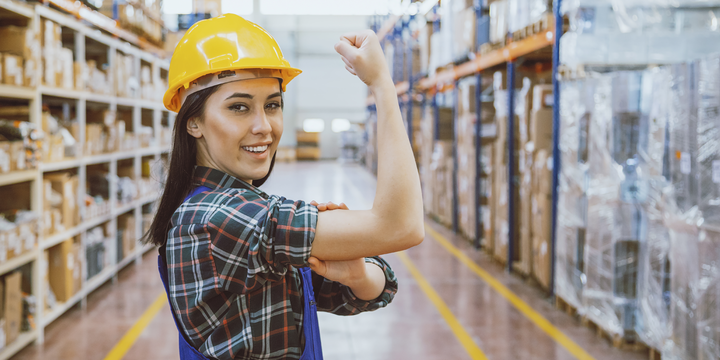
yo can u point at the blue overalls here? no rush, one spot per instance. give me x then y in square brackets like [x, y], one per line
[313, 349]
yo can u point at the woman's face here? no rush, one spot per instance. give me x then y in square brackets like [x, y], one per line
[241, 128]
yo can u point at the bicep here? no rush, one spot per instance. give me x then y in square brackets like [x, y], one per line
[351, 234]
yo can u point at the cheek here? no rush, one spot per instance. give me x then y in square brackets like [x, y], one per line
[224, 133]
[277, 126]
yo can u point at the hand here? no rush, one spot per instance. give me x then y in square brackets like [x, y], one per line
[363, 57]
[329, 206]
[346, 272]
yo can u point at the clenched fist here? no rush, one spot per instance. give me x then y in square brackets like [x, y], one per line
[363, 57]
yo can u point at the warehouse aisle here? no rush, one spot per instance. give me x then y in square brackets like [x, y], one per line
[410, 328]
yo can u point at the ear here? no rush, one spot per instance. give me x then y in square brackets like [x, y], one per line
[193, 129]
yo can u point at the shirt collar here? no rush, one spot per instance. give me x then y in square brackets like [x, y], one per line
[214, 178]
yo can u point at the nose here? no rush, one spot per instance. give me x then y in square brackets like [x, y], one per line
[261, 124]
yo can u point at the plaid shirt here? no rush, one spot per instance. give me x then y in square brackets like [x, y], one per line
[232, 255]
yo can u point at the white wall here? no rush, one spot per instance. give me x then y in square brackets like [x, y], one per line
[325, 89]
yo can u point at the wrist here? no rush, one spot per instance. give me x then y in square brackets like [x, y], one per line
[383, 86]
[359, 279]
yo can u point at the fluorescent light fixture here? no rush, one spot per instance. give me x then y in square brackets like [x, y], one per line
[177, 7]
[340, 125]
[325, 7]
[314, 125]
[238, 7]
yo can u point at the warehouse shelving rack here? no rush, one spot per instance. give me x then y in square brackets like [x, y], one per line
[447, 79]
[79, 99]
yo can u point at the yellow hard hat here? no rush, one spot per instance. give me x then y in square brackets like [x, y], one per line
[222, 49]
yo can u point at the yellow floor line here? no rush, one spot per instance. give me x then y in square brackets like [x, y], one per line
[522, 306]
[127, 341]
[457, 328]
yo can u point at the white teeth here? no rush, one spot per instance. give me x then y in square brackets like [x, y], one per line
[256, 149]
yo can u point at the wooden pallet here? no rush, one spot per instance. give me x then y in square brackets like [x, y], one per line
[619, 342]
[571, 73]
[490, 47]
[565, 306]
[535, 28]
[616, 340]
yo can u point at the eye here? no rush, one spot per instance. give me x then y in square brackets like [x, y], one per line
[273, 106]
[238, 107]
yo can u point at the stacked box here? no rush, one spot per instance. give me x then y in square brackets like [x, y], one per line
[65, 269]
[126, 84]
[60, 206]
[19, 231]
[426, 144]
[522, 13]
[540, 167]
[465, 135]
[12, 69]
[96, 80]
[22, 46]
[126, 241]
[498, 21]
[464, 32]
[441, 168]
[11, 309]
[51, 53]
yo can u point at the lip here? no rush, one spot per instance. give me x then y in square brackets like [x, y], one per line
[261, 156]
[268, 143]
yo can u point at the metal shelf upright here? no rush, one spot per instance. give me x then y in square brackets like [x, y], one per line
[556, 139]
[456, 112]
[511, 161]
[480, 33]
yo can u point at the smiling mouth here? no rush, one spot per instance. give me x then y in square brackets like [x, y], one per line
[256, 149]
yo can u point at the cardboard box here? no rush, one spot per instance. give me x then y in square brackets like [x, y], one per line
[129, 240]
[63, 269]
[464, 31]
[20, 41]
[307, 137]
[67, 186]
[18, 156]
[541, 207]
[13, 71]
[5, 158]
[307, 153]
[68, 69]
[12, 306]
[498, 21]
[31, 73]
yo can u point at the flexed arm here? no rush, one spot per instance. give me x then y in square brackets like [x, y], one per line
[395, 221]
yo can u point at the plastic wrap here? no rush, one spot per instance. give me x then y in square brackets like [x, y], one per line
[638, 32]
[612, 244]
[576, 111]
[690, 215]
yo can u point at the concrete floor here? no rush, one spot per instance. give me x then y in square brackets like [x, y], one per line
[410, 328]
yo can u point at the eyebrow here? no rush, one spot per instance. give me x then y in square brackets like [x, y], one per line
[248, 96]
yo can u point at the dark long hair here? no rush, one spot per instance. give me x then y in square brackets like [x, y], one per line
[182, 164]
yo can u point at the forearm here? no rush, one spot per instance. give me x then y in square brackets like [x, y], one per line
[398, 197]
[371, 286]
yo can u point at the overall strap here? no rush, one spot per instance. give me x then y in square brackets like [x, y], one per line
[187, 351]
[311, 329]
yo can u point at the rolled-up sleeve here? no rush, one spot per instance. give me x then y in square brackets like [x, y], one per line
[336, 298]
[253, 242]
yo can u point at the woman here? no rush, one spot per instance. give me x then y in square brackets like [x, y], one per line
[237, 259]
